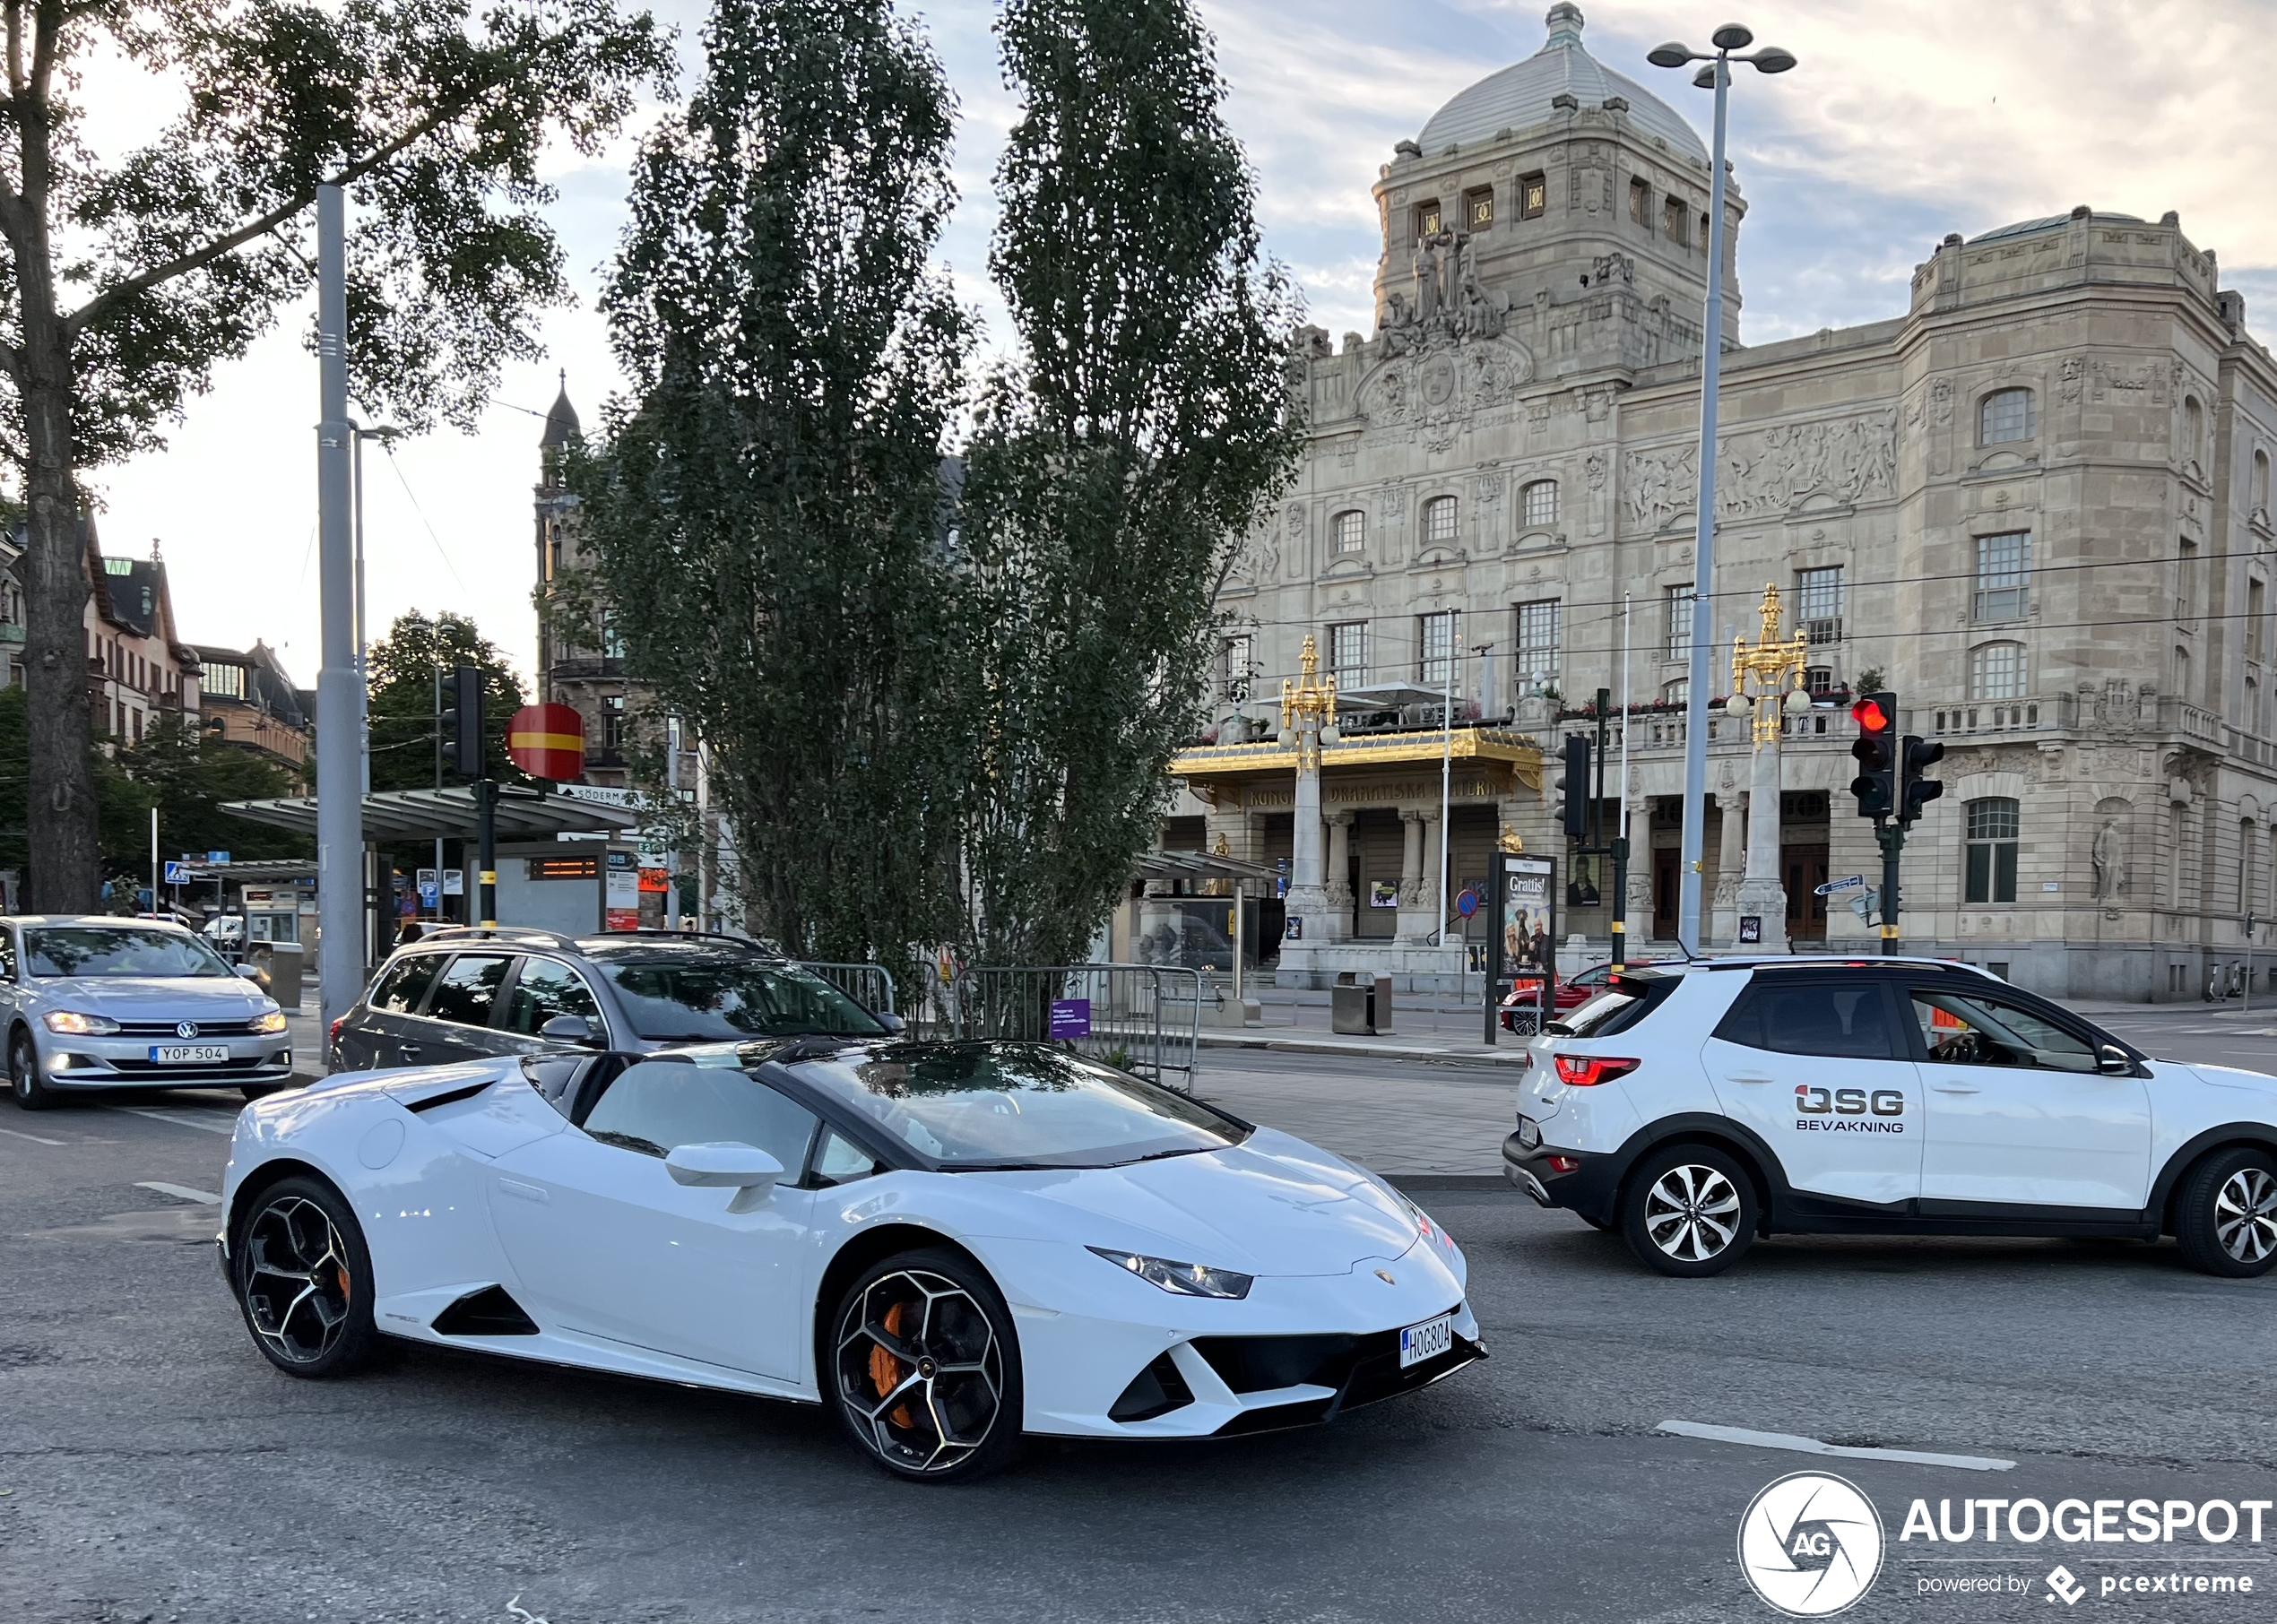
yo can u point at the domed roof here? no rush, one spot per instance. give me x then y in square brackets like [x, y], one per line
[1518, 97]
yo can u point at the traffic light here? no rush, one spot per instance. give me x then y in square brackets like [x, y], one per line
[1877, 784]
[1915, 791]
[1575, 785]
[461, 723]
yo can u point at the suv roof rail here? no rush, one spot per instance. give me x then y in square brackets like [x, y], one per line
[1828, 961]
[495, 933]
[759, 944]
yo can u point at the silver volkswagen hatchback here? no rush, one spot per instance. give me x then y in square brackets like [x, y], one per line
[96, 1002]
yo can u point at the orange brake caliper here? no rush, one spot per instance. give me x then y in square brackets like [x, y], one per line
[885, 1369]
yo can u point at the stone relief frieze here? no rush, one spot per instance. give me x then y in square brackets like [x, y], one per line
[1770, 470]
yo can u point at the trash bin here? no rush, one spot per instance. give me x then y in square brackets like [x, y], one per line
[1360, 1006]
[279, 963]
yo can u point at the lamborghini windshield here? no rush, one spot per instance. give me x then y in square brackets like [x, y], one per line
[983, 1107]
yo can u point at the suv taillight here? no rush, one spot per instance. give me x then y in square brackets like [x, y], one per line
[334, 1030]
[1586, 1071]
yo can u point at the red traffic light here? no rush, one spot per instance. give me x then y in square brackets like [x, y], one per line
[1870, 716]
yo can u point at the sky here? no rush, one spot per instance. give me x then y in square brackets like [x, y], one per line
[1906, 119]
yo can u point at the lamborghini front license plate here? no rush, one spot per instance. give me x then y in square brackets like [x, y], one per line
[1428, 1340]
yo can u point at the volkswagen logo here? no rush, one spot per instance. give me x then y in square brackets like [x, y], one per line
[186, 1029]
[1810, 1544]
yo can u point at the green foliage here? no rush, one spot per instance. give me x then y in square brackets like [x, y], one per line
[1143, 432]
[185, 777]
[437, 116]
[402, 707]
[764, 512]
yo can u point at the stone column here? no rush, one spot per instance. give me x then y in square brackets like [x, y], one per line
[1419, 893]
[1307, 900]
[1761, 891]
[1338, 878]
[1724, 924]
[1636, 906]
[1411, 866]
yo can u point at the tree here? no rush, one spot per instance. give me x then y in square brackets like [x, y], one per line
[188, 776]
[126, 276]
[402, 703]
[1143, 431]
[765, 512]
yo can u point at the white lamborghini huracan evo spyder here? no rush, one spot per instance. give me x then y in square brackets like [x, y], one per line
[951, 1244]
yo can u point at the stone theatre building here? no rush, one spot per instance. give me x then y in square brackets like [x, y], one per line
[2035, 503]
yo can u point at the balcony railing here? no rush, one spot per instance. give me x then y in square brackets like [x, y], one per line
[1976, 716]
[2191, 723]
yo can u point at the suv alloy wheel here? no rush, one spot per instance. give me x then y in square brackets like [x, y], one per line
[1689, 1210]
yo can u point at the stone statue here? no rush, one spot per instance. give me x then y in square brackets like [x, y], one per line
[2104, 855]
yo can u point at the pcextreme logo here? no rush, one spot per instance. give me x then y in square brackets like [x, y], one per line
[1810, 1544]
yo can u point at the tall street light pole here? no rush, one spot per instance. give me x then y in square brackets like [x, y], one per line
[340, 821]
[1716, 76]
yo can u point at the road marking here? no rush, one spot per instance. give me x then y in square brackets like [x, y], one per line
[1811, 1445]
[211, 1121]
[180, 1191]
[35, 1138]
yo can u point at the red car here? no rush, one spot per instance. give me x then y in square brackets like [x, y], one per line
[1520, 1008]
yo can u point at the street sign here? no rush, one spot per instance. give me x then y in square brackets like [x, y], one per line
[178, 873]
[1070, 1017]
[430, 888]
[453, 882]
[217, 857]
[1851, 883]
[1466, 902]
[547, 741]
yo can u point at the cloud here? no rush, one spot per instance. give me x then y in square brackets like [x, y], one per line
[1907, 120]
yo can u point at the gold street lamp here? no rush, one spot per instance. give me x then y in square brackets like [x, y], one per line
[1773, 663]
[1308, 709]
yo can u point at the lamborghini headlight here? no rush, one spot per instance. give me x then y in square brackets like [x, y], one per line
[275, 1021]
[79, 1025]
[1179, 1279]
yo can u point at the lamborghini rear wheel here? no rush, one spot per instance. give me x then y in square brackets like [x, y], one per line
[924, 1368]
[304, 1280]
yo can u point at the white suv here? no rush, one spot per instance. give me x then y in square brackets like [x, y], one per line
[1697, 1106]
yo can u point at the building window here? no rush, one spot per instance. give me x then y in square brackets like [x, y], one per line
[1679, 600]
[1996, 671]
[1992, 823]
[2185, 579]
[1705, 233]
[1820, 680]
[1351, 530]
[2256, 619]
[1235, 670]
[225, 681]
[2261, 486]
[2182, 673]
[1538, 644]
[1349, 653]
[2004, 575]
[1436, 638]
[2245, 865]
[1672, 218]
[1439, 521]
[1427, 222]
[1539, 502]
[2005, 415]
[612, 722]
[1478, 208]
[1533, 197]
[1678, 692]
[1818, 602]
[1641, 204]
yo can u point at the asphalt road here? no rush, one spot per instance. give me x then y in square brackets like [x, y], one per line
[153, 1468]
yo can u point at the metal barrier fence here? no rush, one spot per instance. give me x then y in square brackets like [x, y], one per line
[1143, 1018]
[867, 985]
